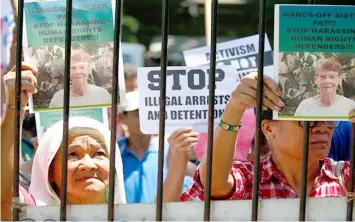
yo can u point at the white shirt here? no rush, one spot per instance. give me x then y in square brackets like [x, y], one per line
[94, 96]
[341, 108]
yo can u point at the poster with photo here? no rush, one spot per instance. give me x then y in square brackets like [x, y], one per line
[240, 53]
[315, 61]
[91, 59]
[44, 120]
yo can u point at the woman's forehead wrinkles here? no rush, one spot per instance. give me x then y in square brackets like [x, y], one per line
[81, 140]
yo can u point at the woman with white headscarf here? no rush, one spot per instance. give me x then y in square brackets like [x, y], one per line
[88, 158]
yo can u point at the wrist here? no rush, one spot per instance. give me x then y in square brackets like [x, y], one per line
[10, 106]
[232, 115]
[180, 158]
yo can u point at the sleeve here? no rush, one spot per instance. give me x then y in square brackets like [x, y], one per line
[197, 192]
[107, 96]
[26, 197]
[346, 174]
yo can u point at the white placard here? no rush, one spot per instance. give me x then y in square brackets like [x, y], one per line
[44, 120]
[92, 47]
[186, 97]
[314, 64]
[240, 53]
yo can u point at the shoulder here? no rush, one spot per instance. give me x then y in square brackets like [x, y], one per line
[59, 93]
[345, 100]
[97, 88]
[243, 165]
[344, 127]
[102, 92]
[310, 100]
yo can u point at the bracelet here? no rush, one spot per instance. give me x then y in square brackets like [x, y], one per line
[228, 127]
[23, 108]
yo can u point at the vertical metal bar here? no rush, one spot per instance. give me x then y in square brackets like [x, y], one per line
[115, 99]
[17, 133]
[303, 196]
[63, 193]
[163, 67]
[350, 204]
[212, 86]
[256, 179]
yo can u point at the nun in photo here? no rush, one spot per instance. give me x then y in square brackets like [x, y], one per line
[327, 104]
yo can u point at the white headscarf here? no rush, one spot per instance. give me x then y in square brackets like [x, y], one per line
[40, 188]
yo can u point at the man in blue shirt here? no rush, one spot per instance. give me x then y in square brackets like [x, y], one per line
[139, 155]
[341, 142]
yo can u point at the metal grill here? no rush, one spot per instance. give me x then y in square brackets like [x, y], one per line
[165, 32]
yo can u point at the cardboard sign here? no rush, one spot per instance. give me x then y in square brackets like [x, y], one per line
[315, 61]
[187, 93]
[241, 53]
[44, 120]
[91, 52]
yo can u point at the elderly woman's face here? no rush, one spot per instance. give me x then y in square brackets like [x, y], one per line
[88, 167]
[79, 72]
[327, 81]
[286, 138]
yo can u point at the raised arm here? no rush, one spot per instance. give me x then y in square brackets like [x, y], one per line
[28, 82]
[180, 143]
[242, 97]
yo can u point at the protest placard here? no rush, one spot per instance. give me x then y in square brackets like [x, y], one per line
[315, 61]
[186, 97]
[44, 120]
[241, 53]
[91, 52]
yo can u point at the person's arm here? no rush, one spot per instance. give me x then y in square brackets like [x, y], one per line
[179, 144]
[224, 141]
[7, 132]
[190, 169]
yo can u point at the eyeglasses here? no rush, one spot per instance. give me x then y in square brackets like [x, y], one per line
[329, 124]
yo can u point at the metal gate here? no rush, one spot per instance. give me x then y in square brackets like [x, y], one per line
[163, 64]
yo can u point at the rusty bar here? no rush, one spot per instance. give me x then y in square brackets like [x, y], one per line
[115, 101]
[212, 86]
[17, 133]
[303, 196]
[68, 26]
[350, 204]
[256, 179]
[163, 67]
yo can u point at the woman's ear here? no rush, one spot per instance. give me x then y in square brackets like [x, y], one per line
[266, 127]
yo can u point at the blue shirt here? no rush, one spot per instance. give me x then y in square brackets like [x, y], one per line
[341, 142]
[141, 176]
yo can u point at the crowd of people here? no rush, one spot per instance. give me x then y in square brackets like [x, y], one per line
[185, 160]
